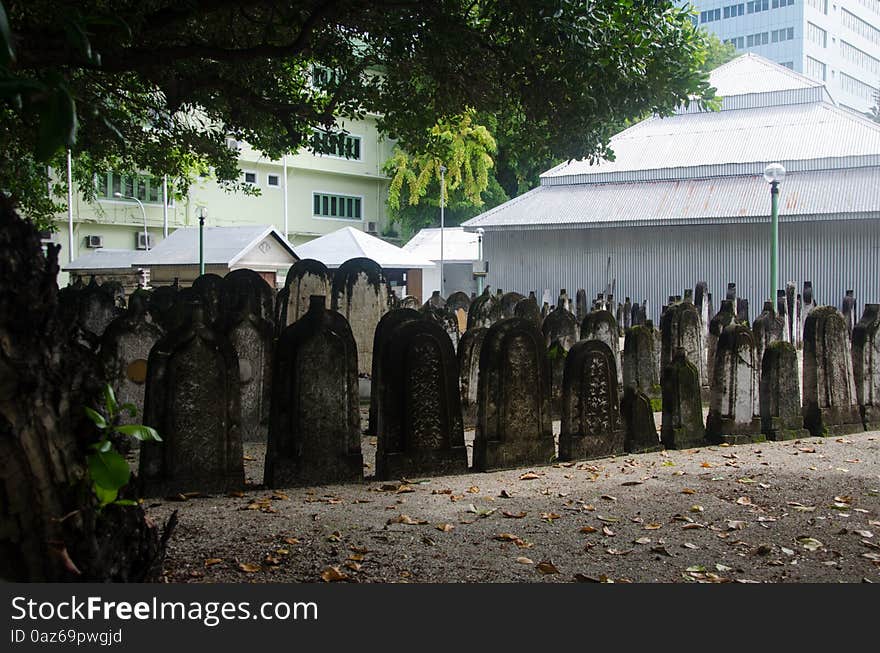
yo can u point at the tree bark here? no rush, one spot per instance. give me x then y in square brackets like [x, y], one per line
[50, 525]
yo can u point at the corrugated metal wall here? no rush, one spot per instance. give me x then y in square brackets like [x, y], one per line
[655, 262]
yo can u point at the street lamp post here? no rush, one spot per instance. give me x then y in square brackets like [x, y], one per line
[143, 213]
[202, 213]
[442, 223]
[480, 232]
[773, 175]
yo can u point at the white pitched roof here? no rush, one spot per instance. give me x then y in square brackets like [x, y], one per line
[751, 73]
[337, 247]
[223, 245]
[458, 245]
[107, 259]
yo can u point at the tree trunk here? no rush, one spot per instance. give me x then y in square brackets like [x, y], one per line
[50, 528]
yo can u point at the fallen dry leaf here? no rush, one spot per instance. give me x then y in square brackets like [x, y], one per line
[445, 527]
[524, 561]
[406, 519]
[653, 526]
[688, 490]
[529, 476]
[291, 540]
[332, 574]
[249, 568]
[547, 567]
[213, 561]
[588, 529]
[810, 543]
[513, 515]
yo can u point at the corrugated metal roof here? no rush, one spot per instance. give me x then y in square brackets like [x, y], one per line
[337, 247]
[222, 245]
[458, 245]
[688, 141]
[107, 259]
[831, 194]
[751, 73]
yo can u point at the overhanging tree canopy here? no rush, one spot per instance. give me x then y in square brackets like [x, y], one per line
[158, 85]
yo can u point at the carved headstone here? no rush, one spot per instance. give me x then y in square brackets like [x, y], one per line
[96, 308]
[781, 313]
[640, 368]
[682, 425]
[360, 294]
[560, 332]
[680, 327]
[601, 325]
[528, 309]
[781, 416]
[866, 366]
[419, 424]
[435, 310]
[161, 306]
[829, 404]
[627, 314]
[314, 431]
[790, 312]
[508, 303]
[243, 287]
[410, 302]
[192, 400]
[125, 348]
[580, 303]
[513, 410]
[719, 321]
[564, 301]
[591, 425]
[767, 329]
[382, 339]
[640, 430]
[742, 311]
[458, 303]
[733, 404]
[469, 372]
[848, 308]
[484, 311]
[209, 288]
[305, 278]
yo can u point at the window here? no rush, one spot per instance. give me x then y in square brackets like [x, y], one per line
[762, 38]
[819, 5]
[817, 35]
[325, 205]
[862, 59]
[322, 76]
[815, 69]
[710, 15]
[873, 5]
[860, 27]
[754, 6]
[340, 144]
[777, 4]
[784, 34]
[856, 87]
[146, 188]
[250, 177]
[273, 180]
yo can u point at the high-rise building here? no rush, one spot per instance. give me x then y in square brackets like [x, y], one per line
[836, 42]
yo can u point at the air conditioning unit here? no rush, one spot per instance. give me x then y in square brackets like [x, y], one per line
[371, 228]
[481, 268]
[144, 241]
[233, 144]
[93, 242]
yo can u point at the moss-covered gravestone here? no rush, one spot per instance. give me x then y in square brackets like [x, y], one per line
[528, 309]
[601, 325]
[733, 404]
[591, 425]
[381, 339]
[469, 372]
[560, 332]
[514, 428]
[640, 430]
[314, 430]
[192, 400]
[640, 369]
[769, 327]
[866, 365]
[780, 398]
[830, 405]
[681, 328]
[682, 425]
[209, 288]
[717, 323]
[418, 423]
[484, 311]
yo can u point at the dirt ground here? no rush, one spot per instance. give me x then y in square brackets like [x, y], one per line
[798, 511]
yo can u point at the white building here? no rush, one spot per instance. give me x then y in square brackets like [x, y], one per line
[836, 42]
[461, 250]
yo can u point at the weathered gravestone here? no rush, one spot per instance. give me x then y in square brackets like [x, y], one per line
[682, 425]
[627, 314]
[410, 302]
[314, 430]
[560, 330]
[361, 296]
[209, 288]
[809, 303]
[640, 369]
[733, 398]
[601, 325]
[514, 428]
[781, 312]
[161, 306]
[528, 309]
[125, 348]
[469, 372]
[680, 328]
[435, 310]
[245, 290]
[829, 404]
[767, 328]
[780, 399]
[580, 304]
[484, 311]
[192, 400]
[459, 303]
[640, 430]
[419, 422]
[848, 308]
[508, 303]
[717, 324]
[590, 405]
[382, 339]
[866, 366]
[564, 301]
[95, 308]
[742, 312]
[791, 312]
[252, 337]
[305, 278]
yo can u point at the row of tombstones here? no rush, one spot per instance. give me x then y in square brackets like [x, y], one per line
[314, 433]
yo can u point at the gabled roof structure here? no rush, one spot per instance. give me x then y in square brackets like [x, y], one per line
[459, 246]
[705, 167]
[339, 246]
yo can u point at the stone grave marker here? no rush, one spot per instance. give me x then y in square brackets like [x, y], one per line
[484, 311]
[733, 392]
[682, 424]
[866, 366]
[469, 372]
[305, 278]
[780, 399]
[640, 430]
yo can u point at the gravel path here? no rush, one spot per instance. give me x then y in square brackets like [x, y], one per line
[804, 510]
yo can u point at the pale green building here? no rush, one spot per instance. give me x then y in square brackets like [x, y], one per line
[303, 196]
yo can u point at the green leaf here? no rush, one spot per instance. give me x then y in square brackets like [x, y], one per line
[109, 470]
[140, 432]
[103, 446]
[104, 495]
[130, 408]
[110, 400]
[7, 52]
[125, 502]
[96, 417]
[58, 123]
